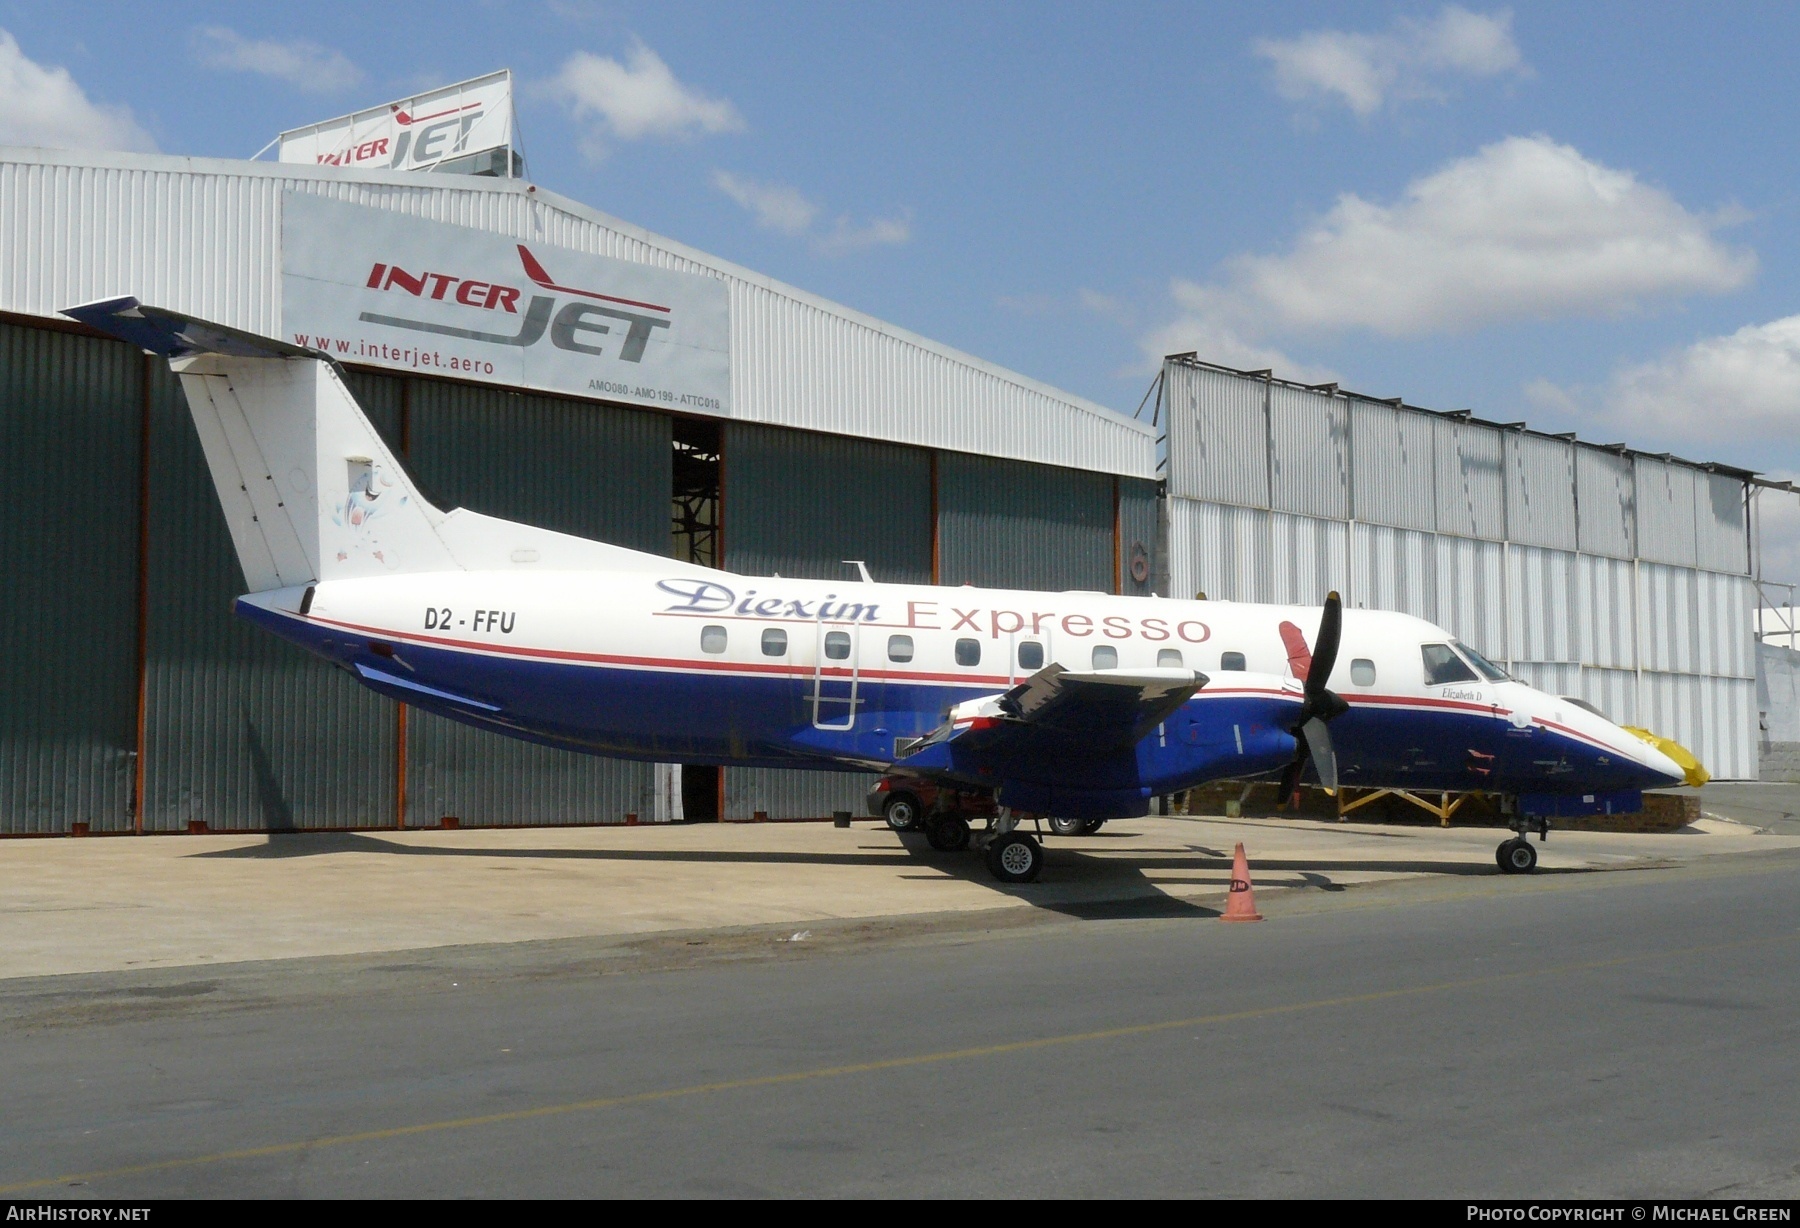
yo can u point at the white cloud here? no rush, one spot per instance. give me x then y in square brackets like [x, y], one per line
[637, 99]
[1742, 387]
[45, 107]
[315, 69]
[1213, 341]
[779, 207]
[1411, 60]
[776, 206]
[1524, 229]
[845, 237]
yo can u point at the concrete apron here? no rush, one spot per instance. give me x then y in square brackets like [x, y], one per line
[69, 906]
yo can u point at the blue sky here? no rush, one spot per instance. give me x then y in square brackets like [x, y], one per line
[1579, 215]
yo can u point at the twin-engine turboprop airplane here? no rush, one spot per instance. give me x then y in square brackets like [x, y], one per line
[1078, 705]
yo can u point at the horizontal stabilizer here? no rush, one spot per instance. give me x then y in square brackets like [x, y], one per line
[381, 677]
[174, 335]
[311, 491]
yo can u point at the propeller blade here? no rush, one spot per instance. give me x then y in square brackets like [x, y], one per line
[1290, 778]
[1325, 647]
[1318, 745]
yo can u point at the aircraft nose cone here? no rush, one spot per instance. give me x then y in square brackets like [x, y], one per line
[1659, 771]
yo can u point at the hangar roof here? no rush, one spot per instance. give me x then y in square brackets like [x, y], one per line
[203, 236]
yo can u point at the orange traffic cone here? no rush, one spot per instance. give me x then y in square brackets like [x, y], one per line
[1240, 905]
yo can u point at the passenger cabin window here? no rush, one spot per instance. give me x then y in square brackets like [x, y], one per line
[900, 648]
[968, 652]
[1169, 658]
[1443, 666]
[1494, 672]
[1031, 655]
[1106, 657]
[837, 645]
[1362, 671]
[712, 639]
[774, 642]
[1231, 660]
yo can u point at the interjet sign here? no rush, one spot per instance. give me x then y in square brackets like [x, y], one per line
[373, 287]
[413, 134]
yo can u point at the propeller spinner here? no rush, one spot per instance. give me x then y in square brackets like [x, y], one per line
[1312, 739]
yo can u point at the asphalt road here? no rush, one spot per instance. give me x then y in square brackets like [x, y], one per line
[1626, 1033]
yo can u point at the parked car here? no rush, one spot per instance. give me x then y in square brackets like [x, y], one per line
[910, 803]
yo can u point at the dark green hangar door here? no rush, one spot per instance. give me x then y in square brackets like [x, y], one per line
[798, 504]
[597, 471]
[70, 424]
[1011, 524]
[242, 732]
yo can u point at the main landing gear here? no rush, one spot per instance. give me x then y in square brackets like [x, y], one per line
[1516, 856]
[1012, 856]
[947, 833]
[1075, 827]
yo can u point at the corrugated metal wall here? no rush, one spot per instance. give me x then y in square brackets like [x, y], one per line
[70, 412]
[1395, 466]
[1540, 491]
[1006, 524]
[203, 236]
[241, 731]
[1519, 544]
[1665, 507]
[594, 470]
[1218, 427]
[782, 794]
[1607, 495]
[1140, 514]
[1471, 479]
[799, 504]
[1309, 453]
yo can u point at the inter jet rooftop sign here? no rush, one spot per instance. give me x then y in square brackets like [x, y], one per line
[413, 134]
[389, 290]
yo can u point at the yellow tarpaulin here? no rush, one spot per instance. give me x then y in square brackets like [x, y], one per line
[1696, 773]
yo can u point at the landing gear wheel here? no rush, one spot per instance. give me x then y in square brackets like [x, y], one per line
[949, 834]
[1091, 826]
[902, 812]
[1067, 827]
[1015, 858]
[1516, 856]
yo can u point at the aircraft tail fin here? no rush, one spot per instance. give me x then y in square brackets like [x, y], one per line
[310, 490]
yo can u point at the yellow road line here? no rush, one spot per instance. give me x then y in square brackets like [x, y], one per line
[858, 1068]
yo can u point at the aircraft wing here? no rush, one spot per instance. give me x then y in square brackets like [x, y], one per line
[1058, 711]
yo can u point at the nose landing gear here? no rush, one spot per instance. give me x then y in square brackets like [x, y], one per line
[1516, 856]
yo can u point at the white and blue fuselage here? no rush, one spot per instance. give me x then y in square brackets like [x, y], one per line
[1075, 703]
[774, 672]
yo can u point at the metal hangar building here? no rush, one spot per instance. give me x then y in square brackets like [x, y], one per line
[132, 701]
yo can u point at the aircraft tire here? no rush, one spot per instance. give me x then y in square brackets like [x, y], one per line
[1066, 827]
[1516, 856]
[902, 812]
[948, 834]
[1015, 858]
[1091, 826]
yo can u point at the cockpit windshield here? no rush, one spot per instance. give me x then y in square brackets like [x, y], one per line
[1442, 666]
[1492, 672]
